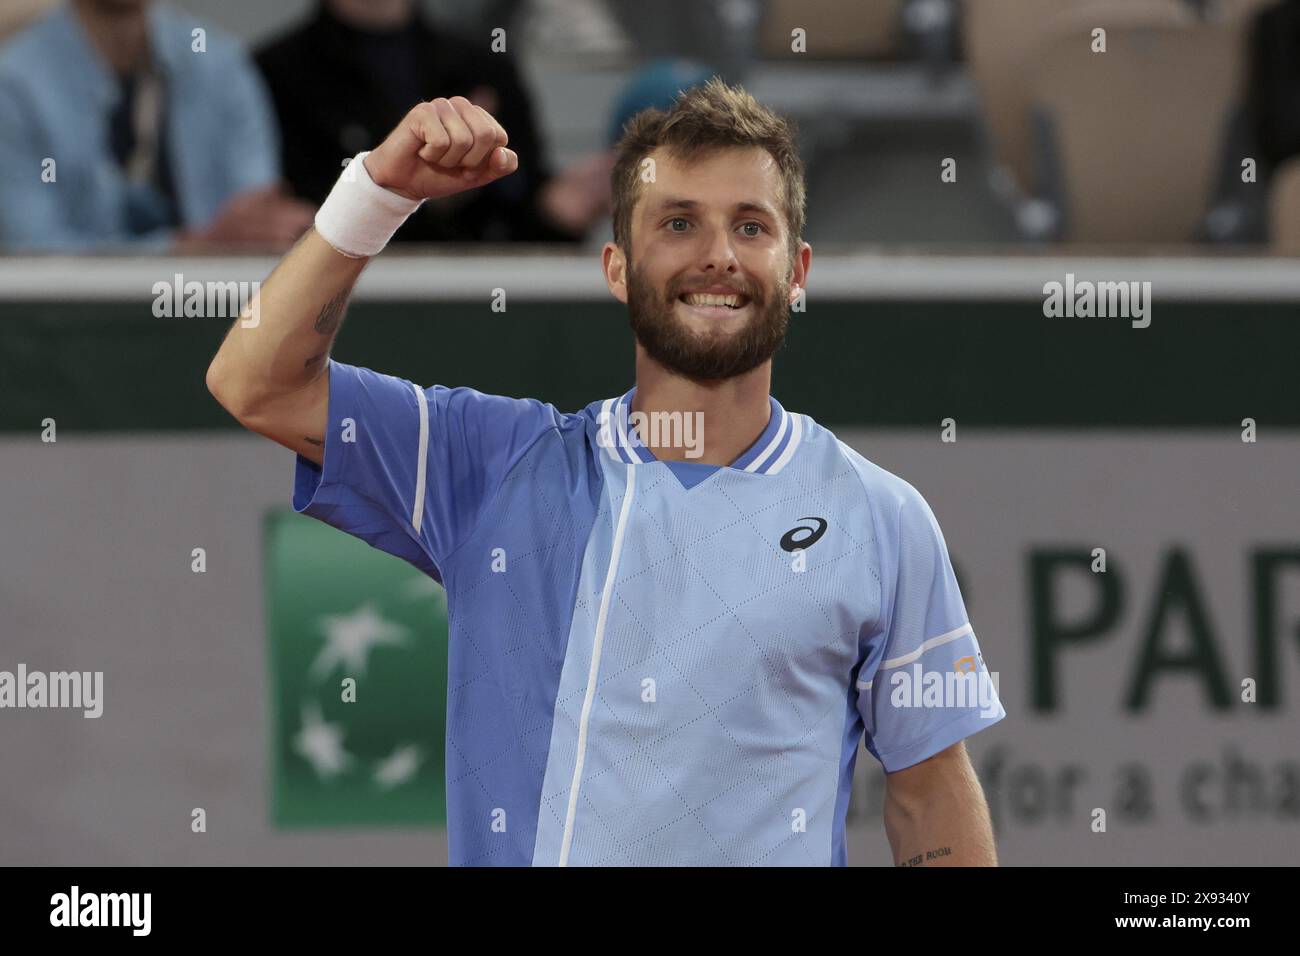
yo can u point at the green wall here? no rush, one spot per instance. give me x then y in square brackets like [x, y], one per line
[114, 366]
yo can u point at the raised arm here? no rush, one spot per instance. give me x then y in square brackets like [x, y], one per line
[270, 371]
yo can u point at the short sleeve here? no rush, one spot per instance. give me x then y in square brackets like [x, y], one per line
[923, 685]
[411, 470]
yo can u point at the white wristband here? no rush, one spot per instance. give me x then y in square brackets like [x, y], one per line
[358, 217]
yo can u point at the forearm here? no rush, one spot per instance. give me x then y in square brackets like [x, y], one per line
[946, 824]
[269, 371]
[281, 342]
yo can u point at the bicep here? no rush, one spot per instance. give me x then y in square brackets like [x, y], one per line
[297, 420]
[912, 784]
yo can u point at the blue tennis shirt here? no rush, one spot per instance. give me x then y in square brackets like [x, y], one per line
[651, 663]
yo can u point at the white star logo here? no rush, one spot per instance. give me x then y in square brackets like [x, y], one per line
[349, 639]
[399, 767]
[425, 588]
[321, 745]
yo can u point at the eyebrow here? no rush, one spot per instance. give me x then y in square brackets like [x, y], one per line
[690, 204]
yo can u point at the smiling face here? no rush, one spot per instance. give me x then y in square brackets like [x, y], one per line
[711, 280]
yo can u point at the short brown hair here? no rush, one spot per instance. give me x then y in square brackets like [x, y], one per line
[703, 119]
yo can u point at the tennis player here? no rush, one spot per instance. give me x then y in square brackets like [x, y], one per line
[674, 613]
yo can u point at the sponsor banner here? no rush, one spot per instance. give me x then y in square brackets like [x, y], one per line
[358, 658]
[1139, 598]
[1164, 690]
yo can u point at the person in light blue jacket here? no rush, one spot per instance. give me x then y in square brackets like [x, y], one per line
[124, 123]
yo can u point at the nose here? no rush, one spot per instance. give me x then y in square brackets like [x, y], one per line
[719, 254]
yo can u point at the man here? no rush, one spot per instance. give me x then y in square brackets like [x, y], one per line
[1273, 91]
[18, 14]
[664, 649]
[126, 124]
[346, 76]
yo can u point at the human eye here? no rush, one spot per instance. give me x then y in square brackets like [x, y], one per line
[756, 225]
[677, 219]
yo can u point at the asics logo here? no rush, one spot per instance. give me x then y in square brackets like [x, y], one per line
[789, 541]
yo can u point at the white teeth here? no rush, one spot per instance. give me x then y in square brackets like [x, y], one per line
[704, 298]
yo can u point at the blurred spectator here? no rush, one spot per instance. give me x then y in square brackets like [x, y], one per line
[16, 14]
[342, 80]
[1275, 83]
[655, 86]
[126, 123]
[571, 30]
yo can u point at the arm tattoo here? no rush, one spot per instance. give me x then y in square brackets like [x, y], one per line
[331, 316]
[927, 857]
[313, 441]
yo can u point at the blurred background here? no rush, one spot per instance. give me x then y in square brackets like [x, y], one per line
[157, 158]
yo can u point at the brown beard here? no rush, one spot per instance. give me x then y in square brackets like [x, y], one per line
[706, 358]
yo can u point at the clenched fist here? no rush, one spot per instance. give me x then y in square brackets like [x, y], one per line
[440, 148]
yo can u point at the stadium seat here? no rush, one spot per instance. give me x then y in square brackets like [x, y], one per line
[1238, 11]
[872, 33]
[1284, 213]
[996, 36]
[1117, 153]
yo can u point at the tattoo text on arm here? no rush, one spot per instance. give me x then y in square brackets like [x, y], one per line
[927, 857]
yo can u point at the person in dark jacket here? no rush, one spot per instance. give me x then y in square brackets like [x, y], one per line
[344, 78]
[1275, 82]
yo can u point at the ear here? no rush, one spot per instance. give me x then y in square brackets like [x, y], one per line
[614, 264]
[799, 270]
